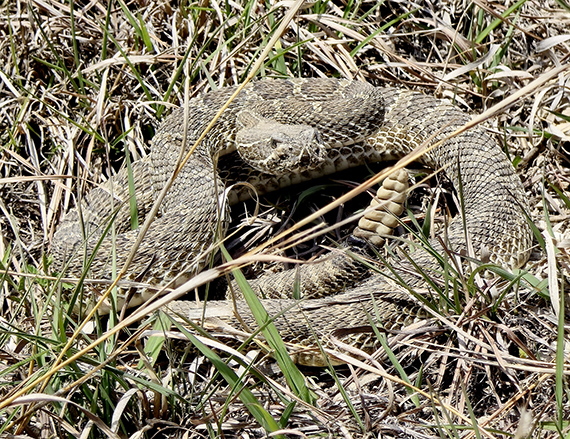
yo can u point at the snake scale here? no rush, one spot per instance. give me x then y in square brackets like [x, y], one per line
[291, 131]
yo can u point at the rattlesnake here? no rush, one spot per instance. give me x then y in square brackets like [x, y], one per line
[298, 129]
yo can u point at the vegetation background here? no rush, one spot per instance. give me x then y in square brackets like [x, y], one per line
[83, 87]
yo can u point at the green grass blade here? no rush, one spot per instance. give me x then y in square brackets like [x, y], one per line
[497, 22]
[246, 396]
[293, 376]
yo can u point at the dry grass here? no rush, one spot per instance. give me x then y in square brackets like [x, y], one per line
[83, 84]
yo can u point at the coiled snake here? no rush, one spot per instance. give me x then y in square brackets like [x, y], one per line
[290, 131]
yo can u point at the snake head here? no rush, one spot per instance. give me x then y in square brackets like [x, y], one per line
[275, 148]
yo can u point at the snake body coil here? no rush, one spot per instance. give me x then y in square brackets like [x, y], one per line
[292, 131]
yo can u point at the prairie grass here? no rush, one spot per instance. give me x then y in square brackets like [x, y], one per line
[83, 87]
